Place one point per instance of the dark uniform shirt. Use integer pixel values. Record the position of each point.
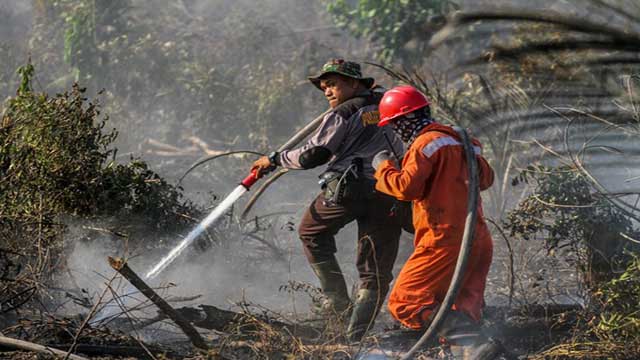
(349, 131)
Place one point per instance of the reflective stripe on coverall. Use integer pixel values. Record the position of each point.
(434, 176)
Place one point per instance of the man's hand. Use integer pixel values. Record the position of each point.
(380, 157)
(263, 166)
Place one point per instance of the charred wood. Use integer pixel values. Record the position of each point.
(194, 336)
(213, 318)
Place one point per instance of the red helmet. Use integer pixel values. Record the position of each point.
(399, 101)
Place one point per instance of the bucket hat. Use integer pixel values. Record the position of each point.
(340, 66)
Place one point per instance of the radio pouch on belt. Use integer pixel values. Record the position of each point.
(341, 186)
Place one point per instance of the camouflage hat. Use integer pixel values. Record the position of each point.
(342, 67)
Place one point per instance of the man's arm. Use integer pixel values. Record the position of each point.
(319, 148)
(317, 151)
(407, 183)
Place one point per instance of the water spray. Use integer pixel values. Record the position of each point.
(214, 215)
(244, 186)
(240, 190)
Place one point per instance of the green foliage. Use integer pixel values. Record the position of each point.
(56, 150)
(176, 74)
(26, 74)
(55, 164)
(393, 23)
(132, 190)
(80, 37)
(50, 149)
(619, 314)
(563, 211)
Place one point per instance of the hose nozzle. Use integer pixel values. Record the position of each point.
(251, 179)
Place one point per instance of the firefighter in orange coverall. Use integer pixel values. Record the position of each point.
(434, 177)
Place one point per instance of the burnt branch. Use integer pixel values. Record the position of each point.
(194, 336)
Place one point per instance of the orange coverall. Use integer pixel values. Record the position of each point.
(434, 176)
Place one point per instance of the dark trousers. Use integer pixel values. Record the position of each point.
(378, 234)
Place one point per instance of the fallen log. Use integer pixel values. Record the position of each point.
(194, 336)
(119, 350)
(211, 318)
(298, 330)
(29, 346)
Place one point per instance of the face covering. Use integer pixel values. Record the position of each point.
(408, 128)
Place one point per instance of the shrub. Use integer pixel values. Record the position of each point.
(56, 163)
(565, 213)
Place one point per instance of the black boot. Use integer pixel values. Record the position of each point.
(365, 309)
(333, 287)
(465, 340)
(457, 326)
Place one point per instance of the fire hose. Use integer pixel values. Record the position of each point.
(467, 238)
(252, 178)
(465, 247)
(228, 201)
(293, 141)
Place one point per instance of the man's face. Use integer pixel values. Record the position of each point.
(338, 88)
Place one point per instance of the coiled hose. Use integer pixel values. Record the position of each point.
(465, 246)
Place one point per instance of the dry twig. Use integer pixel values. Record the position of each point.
(89, 316)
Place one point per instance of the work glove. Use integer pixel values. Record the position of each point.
(263, 166)
(381, 157)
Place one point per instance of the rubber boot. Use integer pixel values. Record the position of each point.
(458, 325)
(479, 349)
(333, 287)
(485, 349)
(365, 309)
(464, 339)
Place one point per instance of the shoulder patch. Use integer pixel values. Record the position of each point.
(370, 117)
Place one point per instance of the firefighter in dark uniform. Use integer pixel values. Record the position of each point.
(346, 142)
